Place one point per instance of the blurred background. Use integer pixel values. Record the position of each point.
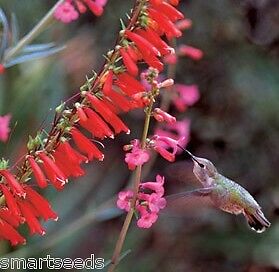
(235, 124)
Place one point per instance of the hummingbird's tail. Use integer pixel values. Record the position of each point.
(257, 220)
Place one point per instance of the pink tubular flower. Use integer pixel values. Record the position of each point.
(191, 52)
(157, 186)
(156, 203)
(66, 13)
(187, 96)
(137, 156)
(124, 200)
(148, 204)
(184, 24)
(162, 143)
(4, 127)
(178, 130)
(161, 116)
(146, 219)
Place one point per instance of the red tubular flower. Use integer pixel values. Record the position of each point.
(10, 201)
(81, 115)
(166, 25)
(64, 152)
(72, 155)
(156, 40)
(95, 8)
(108, 103)
(152, 61)
(28, 212)
(56, 176)
(85, 145)
(120, 100)
(129, 63)
(172, 13)
(108, 82)
(134, 53)
(13, 183)
(107, 114)
(97, 124)
(130, 83)
(156, 2)
(9, 233)
(10, 218)
(148, 50)
(38, 173)
(40, 204)
(174, 2)
(142, 44)
(94, 123)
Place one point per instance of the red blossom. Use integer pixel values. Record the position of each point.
(40, 204)
(10, 201)
(172, 13)
(54, 173)
(131, 85)
(121, 101)
(108, 82)
(10, 218)
(9, 233)
(129, 63)
(168, 27)
(109, 116)
(13, 183)
(85, 145)
(151, 36)
(94, 123)
(64, 152)
(142, 44)
(38, 173)
(33, 223)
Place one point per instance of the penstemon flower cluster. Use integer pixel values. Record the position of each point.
(129, 79)
(69, 10)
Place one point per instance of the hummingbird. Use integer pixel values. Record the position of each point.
(225, 194)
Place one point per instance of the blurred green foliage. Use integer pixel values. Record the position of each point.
(235, 124)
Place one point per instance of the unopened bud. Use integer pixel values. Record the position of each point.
(166, 83)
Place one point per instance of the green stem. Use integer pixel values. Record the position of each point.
(129, 216)
(45, 21)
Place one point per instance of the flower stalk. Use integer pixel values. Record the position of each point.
(137, 180)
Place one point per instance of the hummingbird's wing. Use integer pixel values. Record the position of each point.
(197, 192)
(189, 203)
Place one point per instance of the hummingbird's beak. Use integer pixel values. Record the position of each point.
(189, 153)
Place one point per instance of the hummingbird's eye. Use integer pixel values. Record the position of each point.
(201, 165)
